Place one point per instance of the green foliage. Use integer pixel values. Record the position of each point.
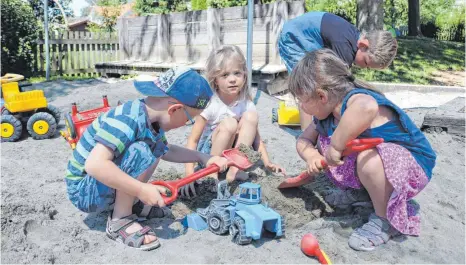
(343, 8)
(19, 32)
(449, 22)
(418, 61)
(199, 4)
(111, 10)
(55, 16)
(147, 7)
(396, 13)
(226, 3)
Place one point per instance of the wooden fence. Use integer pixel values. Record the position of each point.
(76, 52)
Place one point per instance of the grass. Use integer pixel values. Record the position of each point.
(38, 79)
(417, 60)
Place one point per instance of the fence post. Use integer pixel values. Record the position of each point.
(122, 25)
(163, 37)
(279, 16)
(213, 27)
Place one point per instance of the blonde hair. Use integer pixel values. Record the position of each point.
(323, 69)
(216, 63)
(382, 47)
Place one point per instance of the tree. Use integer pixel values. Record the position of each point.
(414, 18)
(147, 7)
(109, 11)
(369, 15)
(343, 8)
(19, 32)
(56, 19)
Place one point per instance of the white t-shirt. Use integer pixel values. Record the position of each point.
(216, 111)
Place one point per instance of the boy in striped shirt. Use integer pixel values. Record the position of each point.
(120, 150)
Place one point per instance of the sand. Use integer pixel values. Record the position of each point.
(40, 225)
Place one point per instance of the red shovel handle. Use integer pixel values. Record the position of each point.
(357, 145)
(173, 186)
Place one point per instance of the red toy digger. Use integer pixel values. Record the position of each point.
(76, 122)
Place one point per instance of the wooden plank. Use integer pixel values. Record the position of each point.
(71, 52)
(189, 16)
(88, 50)
(240, 12)
(449, 117)
(77, 51)
(78, 71)
(78, 41)
(60, 55)
(65, 51)
(102, 48)
(82, 35)
(53, 54)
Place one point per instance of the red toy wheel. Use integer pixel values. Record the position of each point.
(70, 126)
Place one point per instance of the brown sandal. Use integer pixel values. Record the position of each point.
(116, 231)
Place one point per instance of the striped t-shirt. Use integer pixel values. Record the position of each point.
(117, 129)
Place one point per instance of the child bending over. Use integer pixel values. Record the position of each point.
(344, 109)
(120, 150)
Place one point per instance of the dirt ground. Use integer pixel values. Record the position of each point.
(40, 225)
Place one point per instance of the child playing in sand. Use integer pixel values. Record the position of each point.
(344, 109)
(120, 150)
(231, 118)
(317, 30)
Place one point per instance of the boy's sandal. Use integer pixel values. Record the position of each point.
(148, 212)
(116, 231)
(375, 232)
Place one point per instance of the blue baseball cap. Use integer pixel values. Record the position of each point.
(181, 83)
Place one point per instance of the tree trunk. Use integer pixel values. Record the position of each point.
(369, 15)
(414, 18)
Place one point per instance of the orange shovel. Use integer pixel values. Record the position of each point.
(356, 145)
(234, 157)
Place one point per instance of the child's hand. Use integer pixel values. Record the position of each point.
(221, 162)
(314, 165)
(333, 157)
(150, 194)
(275, 168)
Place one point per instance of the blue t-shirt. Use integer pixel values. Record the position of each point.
(401, 131)
(317, 30)
(117, 129)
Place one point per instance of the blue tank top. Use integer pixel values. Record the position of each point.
(401, 131)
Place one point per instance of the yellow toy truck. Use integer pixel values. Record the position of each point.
(28, 108)
(286, 115)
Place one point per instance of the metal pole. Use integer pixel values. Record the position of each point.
(46, 35)
(249, 43)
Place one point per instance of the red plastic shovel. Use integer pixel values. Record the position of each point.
(356, 145)
(234, 157)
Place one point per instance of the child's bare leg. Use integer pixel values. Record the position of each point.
(378, 229)
(124, 204)
(223, 137)
(247, 131)
(372, 176)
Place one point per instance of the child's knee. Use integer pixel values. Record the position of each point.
(136, 159)
(228, 125)
(368, 162)
(250, 117)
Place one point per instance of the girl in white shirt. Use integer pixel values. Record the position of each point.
(231, 117)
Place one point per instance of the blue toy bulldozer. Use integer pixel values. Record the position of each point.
(243, 215)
